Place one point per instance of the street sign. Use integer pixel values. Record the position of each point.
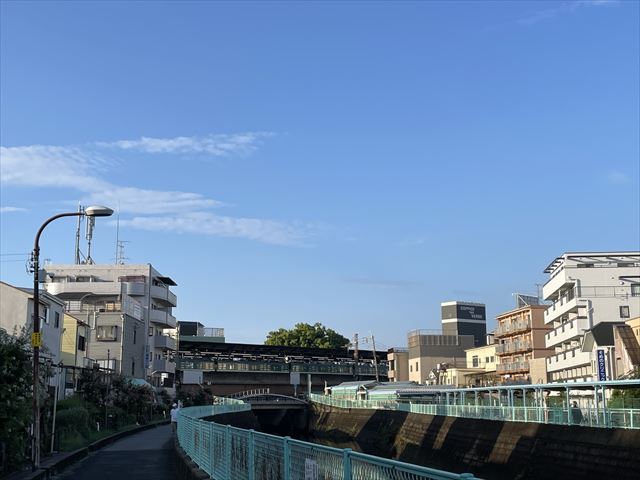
(602, 371)
(36, 339)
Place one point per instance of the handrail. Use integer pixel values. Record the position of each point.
(628, 418)
(223, 451)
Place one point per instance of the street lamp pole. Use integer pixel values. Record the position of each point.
(36, 341)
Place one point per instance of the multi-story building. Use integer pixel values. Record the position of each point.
(398, 361)
(465, 318)
(430, 349)
(520, 336)
(480, 369)
(75, 338)
(133, 305)
(586, 288)
(16, 317)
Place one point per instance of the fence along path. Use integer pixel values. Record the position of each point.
(225, 452)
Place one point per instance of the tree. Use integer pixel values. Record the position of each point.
(307, 336)
(15, 398)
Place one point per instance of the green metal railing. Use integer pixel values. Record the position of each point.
(606, 418)
(225, 452)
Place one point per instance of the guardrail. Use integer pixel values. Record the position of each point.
(609, 418)
(225, 452)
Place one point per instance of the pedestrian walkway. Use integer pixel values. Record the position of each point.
(144, 456)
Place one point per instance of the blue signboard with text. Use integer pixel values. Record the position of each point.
(602, 371)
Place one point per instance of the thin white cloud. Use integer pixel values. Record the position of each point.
(412, 242)
(563, 8)
(216, 145)
(141, 201)
(82, 168)
(206, 223)
(12, 209)
(51, 166)
(618, 178)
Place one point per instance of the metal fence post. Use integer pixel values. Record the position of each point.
(346, 464)
(227, 449)
(287, 458)
(251, 456)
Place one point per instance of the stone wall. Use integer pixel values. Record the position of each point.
(488, 449)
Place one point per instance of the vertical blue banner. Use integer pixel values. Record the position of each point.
(602, 372)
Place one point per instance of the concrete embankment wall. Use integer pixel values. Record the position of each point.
(489, 449)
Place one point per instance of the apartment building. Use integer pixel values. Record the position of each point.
(465, 318)
(521, 337)
(16, 316)
(585, 289)
(128, 305)
(398, 360)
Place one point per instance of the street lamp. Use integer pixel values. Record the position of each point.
(94, 211)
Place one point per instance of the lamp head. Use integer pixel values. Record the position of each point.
(98, 211)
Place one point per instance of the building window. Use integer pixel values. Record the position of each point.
(475, 361)
(635, 289)
(151, 331)
(135, 335)
(493, 359)
(417, 369)
(81, 343)
(624, 311)
(133, 368)
(410, 368)
(56, 322)
(107, 333)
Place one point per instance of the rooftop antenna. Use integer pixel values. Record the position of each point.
(120, 258)
(77, 250)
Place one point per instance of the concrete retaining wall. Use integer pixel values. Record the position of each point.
(489, 449)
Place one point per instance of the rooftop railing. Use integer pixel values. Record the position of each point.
(223, 451)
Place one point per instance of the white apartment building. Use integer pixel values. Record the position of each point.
(585, 289)
(137, 292)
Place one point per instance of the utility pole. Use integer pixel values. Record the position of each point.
(356, 355)
(375, 358)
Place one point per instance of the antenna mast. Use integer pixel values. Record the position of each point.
(77, 252)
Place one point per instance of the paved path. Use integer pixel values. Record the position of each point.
(143, 456)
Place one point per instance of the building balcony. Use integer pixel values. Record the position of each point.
(164, 342)
(163, 295)
(563, 305)
(566, 332)
(510, 328)
(162, 318)
(67, 290)
(555, 283)
(514, 347)
(163, 366)
(568, 359)
(512, 367)
(135, 289)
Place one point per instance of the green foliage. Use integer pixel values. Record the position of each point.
(307, 336)
(190, 399)
(15, 397)
(74, 419)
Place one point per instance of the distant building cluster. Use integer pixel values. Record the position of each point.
(119, 318)
(586, 327)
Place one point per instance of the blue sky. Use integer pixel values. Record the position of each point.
(353, 164)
